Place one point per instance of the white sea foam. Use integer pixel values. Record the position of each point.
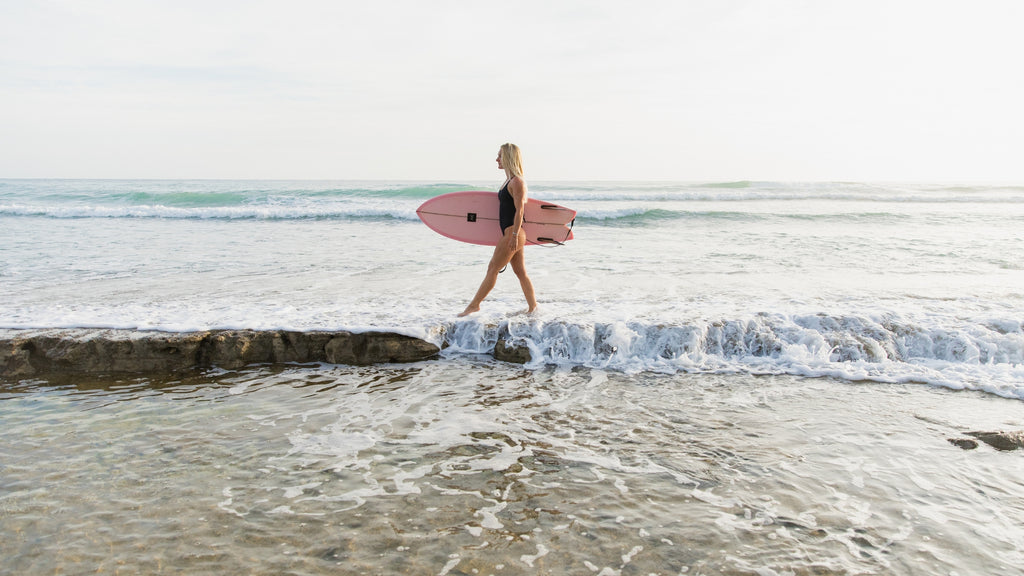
(887, 349)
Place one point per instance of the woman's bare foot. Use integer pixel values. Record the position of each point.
(469, 310)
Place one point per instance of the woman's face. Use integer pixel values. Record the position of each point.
(498, 160)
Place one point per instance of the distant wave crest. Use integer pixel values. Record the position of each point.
(598, 203)
(238, 212)
(384, 210)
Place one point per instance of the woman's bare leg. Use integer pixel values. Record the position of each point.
(518, 263)
(502, 255)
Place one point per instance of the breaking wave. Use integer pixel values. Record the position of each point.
(986, 357)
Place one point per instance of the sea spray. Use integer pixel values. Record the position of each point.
(883, 349)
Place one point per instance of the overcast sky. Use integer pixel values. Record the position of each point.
(428, 89)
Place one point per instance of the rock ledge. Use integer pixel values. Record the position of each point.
(1002, 440)
(25, 353)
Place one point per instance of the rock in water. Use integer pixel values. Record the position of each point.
(1001, 440)
(377, 347)
(965, 443)
(31, 352)
(507, 352)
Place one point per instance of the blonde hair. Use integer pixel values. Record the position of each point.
(512, 159)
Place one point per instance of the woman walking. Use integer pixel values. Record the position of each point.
(509, 250)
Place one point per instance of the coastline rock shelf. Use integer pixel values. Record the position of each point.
(39, 353)
(26, 353)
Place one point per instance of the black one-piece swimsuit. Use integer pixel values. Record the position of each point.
(507, 209)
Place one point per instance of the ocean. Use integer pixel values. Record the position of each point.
(725, 378)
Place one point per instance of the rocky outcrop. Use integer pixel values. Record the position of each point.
(1005, 441)
(964, 443)
(26, 353)
(1001, 440)
(508, 351)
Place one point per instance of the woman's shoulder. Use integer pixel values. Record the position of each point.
(517, 183)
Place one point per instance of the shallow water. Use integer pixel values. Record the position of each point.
(466, 466)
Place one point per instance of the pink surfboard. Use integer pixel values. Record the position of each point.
(472, 217)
